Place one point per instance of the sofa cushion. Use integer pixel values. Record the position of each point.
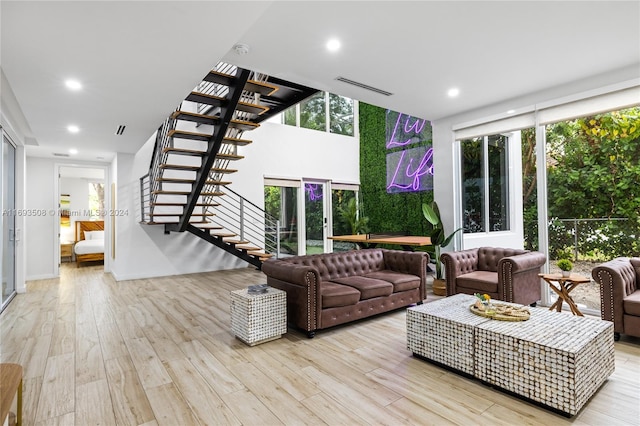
(334, 295)
(368, 287)
(483, 281)
(488, 257)
(631, 304)
(400, 281)
(635, 262)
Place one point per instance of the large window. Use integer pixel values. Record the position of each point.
(324, 112)
(281, 202)
(485, 189)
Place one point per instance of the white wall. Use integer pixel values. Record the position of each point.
(39, 236)
(280, 151)
(277, 151)
(144, 251)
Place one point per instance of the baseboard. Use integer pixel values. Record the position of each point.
(41, 277)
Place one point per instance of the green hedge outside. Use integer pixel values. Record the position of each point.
(387, 212)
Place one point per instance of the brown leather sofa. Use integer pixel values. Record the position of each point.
(325, 290)
(619, 281)
(504, 274)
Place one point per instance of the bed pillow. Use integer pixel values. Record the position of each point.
(94, 235)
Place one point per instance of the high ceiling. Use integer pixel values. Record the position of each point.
(138, 59)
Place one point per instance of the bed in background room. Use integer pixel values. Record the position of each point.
(89, 238)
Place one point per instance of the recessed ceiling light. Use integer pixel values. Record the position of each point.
(73, 129)
(453, 92)
(73, 84)
(73, 151)
(241, 49)
(333, 45)
(511, 111)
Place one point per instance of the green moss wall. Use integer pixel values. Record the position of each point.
(386, 212)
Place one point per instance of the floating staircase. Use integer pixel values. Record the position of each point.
(186, 187)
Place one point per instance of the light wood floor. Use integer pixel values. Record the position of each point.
(160, 352)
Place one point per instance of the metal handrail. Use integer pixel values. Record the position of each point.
(234, 212)
(245, 219)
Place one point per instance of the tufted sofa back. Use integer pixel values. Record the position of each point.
(342, 264)
(488, 257)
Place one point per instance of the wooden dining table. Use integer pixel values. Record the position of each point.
(407, 242)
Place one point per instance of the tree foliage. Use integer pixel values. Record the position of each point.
(594, 166)
(593, 172)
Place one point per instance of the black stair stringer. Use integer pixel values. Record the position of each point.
(219, 242)
(226, 114)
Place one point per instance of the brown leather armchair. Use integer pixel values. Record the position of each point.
(504, 274)
(619, 281)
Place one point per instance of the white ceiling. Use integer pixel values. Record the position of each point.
(139, 59)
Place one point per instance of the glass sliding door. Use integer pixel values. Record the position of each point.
(316, 217)
(8, 222)
(281, 202)
(344, 202)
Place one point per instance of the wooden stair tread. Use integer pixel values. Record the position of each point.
(236, 141)
(195, 168)
(232, 157)
(191, 181)
(173, 223)
(251, 108)
(261, 87)
(208, 194)
(213, 100)
(180, 214)
(206, 225)
(212, 120)
(203, 98)
(219, 170)
(262, 256)
(183, 204)
(182, 151)
(251, 85)
(237, 242)
(223, 234)
(248, 247)
(194, 136)
(180, 167)
(205, 137)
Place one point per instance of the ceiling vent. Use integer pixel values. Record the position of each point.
(120, 130)
(59, 154)
(364, 86)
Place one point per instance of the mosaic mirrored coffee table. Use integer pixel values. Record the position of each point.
(555, 359)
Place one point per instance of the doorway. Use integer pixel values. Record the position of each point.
(8, 167)
(81, 197)
(316, 217)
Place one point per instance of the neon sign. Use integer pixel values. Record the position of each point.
(408, 170)
(312, 191)
(407, 130)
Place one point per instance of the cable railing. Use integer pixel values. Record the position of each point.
(221, 90)
(230, 210)
(150, 183)
(249, 222)
(145, 198)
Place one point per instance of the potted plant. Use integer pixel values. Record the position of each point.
(439, 239)
(565, 266)
(353, 218)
